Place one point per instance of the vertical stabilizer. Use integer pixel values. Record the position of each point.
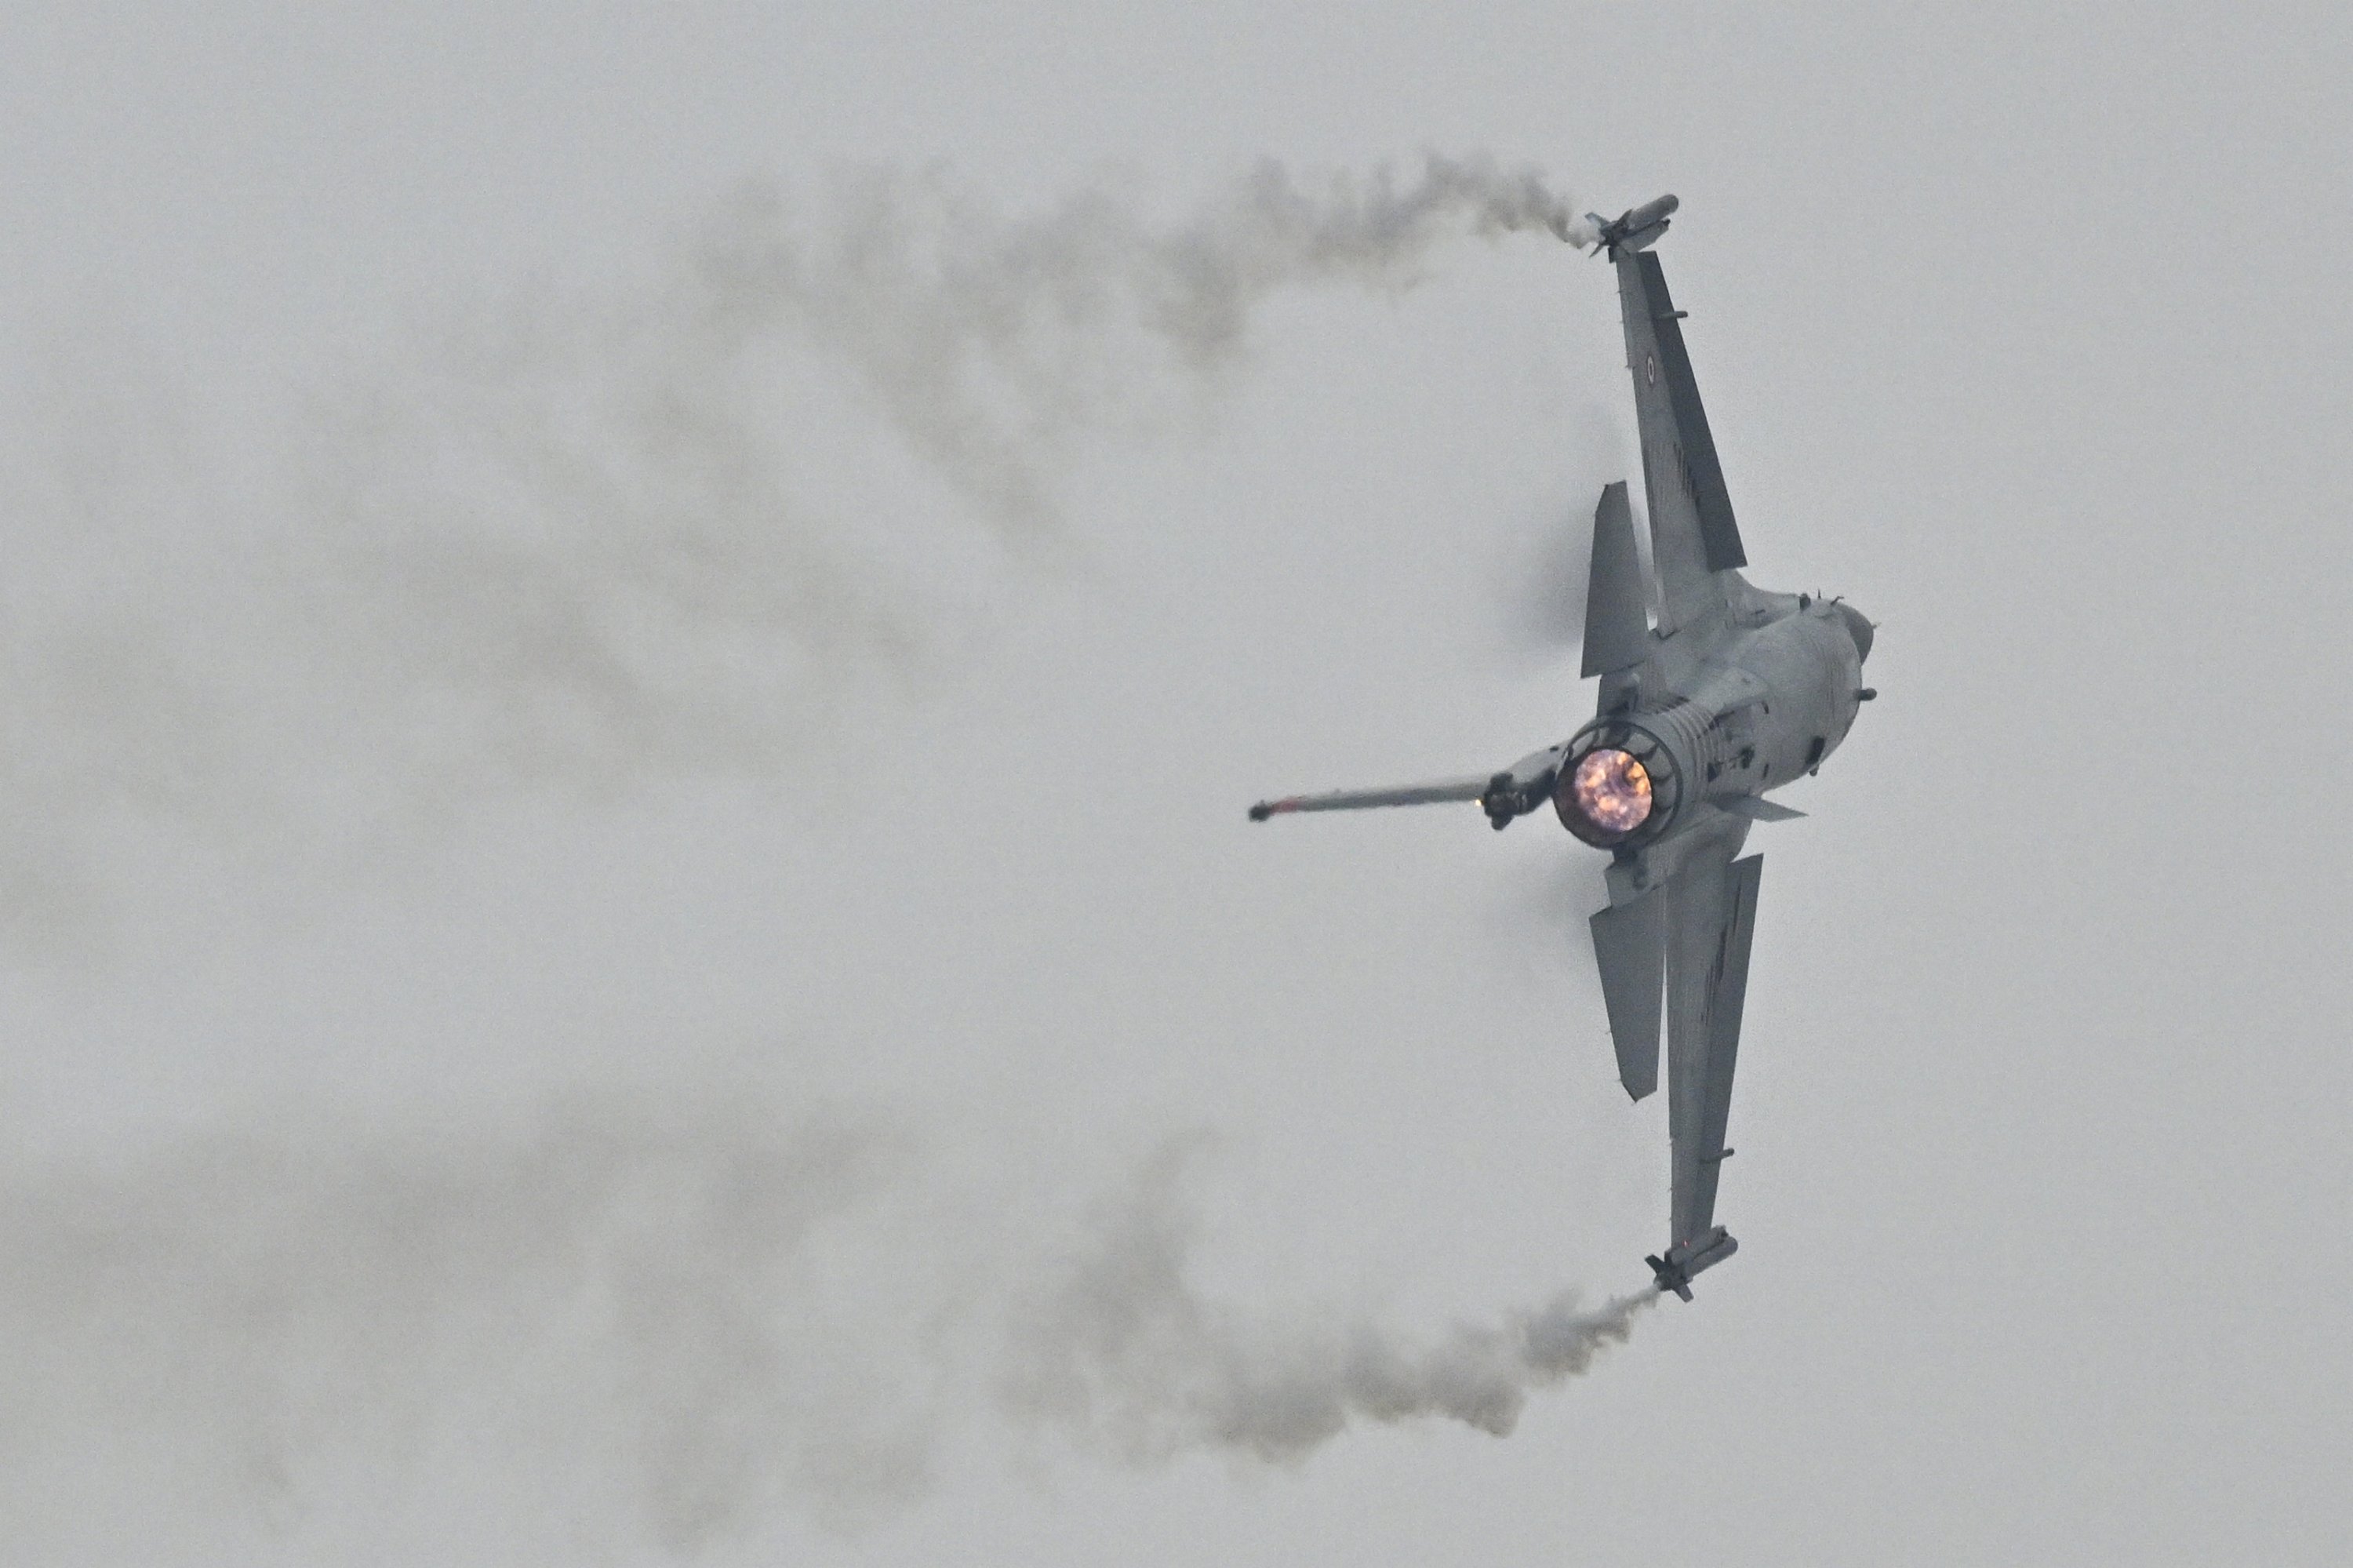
(1630, 945)
(1617, 634)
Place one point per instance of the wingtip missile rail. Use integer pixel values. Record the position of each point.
(1634, 230)
(1687, 1259)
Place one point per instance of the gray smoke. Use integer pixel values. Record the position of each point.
(615, 1290)
(598, 541)
(1120, 1351)
(598, 538)
(991, 343)
(645, 1319)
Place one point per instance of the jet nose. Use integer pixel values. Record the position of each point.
(1857, 627)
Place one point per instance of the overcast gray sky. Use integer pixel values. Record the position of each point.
(626, 926)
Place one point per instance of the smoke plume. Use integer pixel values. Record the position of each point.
(683, 1320)
(616, 1289)
(596, 538)
(1120, 1351)
(593, 542)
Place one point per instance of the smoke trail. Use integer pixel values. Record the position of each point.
(1122, 1351)
(659, 1320)
(598, 539)
(595, 542)
(991, 343)
(616, 1289)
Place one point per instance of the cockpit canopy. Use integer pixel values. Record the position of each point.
(1856, 627)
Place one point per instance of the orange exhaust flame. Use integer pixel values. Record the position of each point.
(1612, 790)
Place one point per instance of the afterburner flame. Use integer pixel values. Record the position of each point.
(1612, 790)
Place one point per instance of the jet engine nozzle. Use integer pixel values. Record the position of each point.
(1620, 784)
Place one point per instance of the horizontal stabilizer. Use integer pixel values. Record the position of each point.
(1630, 946)
(1758, 808)
(1616, 631)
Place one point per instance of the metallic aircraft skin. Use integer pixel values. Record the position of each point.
(1713, 693)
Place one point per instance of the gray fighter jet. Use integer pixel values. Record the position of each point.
(1713, 693)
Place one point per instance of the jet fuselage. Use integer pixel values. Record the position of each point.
(1712, 692)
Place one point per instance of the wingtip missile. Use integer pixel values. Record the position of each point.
(1633, 230)
(1685, 1259)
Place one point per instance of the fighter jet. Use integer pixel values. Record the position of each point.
(1712, 695)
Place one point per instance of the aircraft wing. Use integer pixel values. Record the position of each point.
(1713, 917)
(1692, 534)
(1689, 938)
